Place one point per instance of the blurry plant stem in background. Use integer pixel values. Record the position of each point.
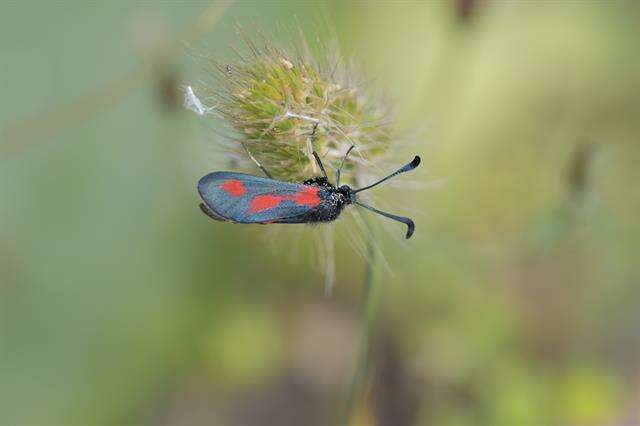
(25, 133)
(361, 374)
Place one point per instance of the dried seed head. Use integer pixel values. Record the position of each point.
(282, 104)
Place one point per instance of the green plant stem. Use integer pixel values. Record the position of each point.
(362, 369)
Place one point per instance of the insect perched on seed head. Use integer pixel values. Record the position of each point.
(243, 198)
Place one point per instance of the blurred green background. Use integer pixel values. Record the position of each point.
(516, 303)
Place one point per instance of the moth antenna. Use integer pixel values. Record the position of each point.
(410, 225)
(406, 168)
(342, 164)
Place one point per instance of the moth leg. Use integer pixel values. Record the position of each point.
(310, 143)
(260, 166)
(339, 171)
(324, 172)
(213, 215)
(315, 127)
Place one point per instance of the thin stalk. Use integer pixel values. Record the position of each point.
(361, 375)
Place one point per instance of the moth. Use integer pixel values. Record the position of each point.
(245, 198)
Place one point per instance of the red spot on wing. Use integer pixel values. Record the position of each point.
(264, 202)
(233, 187)
(307, 197)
